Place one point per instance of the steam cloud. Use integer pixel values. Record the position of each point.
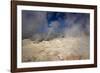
(38, 26)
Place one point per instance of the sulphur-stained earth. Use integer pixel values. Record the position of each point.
(69, 48)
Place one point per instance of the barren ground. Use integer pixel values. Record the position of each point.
(69, 48)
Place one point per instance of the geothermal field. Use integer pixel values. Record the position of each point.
(55, 36)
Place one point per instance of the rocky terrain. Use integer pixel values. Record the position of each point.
(69, 48)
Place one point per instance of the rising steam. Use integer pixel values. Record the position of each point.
(64, 38)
